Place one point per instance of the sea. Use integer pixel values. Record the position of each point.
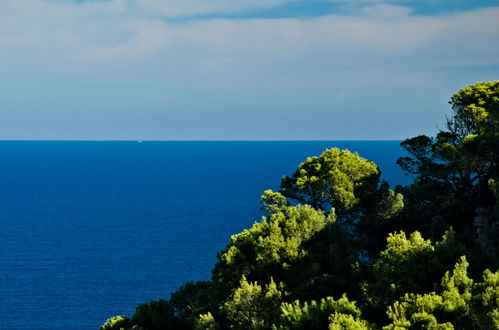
(90, 229)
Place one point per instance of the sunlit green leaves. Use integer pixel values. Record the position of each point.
(335, 179)
(455, 307)
(271, 245)
(319, 314)
(253, 307)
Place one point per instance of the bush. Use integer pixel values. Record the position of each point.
(117, 323)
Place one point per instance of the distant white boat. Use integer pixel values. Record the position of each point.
(140, 141)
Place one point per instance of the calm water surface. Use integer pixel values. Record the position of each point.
(90, 229)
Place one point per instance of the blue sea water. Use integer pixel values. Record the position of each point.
(90, 229)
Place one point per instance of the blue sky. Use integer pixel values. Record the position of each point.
(239, 70)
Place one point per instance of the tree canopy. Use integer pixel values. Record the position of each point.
(338, 249)
(336, 179)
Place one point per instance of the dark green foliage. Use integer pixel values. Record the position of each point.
(155, 315)
(454, 170)
(380, 216)
(193, 299)
(329, 268)
(347, 236)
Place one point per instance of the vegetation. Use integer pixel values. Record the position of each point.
(338, 249)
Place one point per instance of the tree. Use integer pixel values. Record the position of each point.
(206, 322)
(409, 264)
(453, 171)
(320, 314)
(340, 321)
(334, 242)
(193, 299)
(270, 247)
(461, 303)
(155, 315)
(485, 301)
(253, 307)
(348, 184)
(334, 180)
(117, 323)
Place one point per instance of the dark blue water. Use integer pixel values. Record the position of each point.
(90, 229)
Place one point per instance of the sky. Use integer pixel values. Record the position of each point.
(239, 69)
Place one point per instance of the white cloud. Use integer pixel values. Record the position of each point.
(279, 64)
(101, 30)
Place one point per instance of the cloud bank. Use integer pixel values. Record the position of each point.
(154, 69)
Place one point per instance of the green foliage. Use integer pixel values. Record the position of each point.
(206, 322)
(388, 204)
(461, 303)
(340, 321)
(271, 246)
(329, 268)
(410, 264)
(454, 170)
(273, 201)
(316, 315)
(438, 311)
(253, 307)
(193, 299)
(117, 323)
(155, 315)
(475, 109)
(380, 211)
(348, 236)
(406, 265)
(494, 187)
(336, 179)
(348, 184)
(485, 301)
